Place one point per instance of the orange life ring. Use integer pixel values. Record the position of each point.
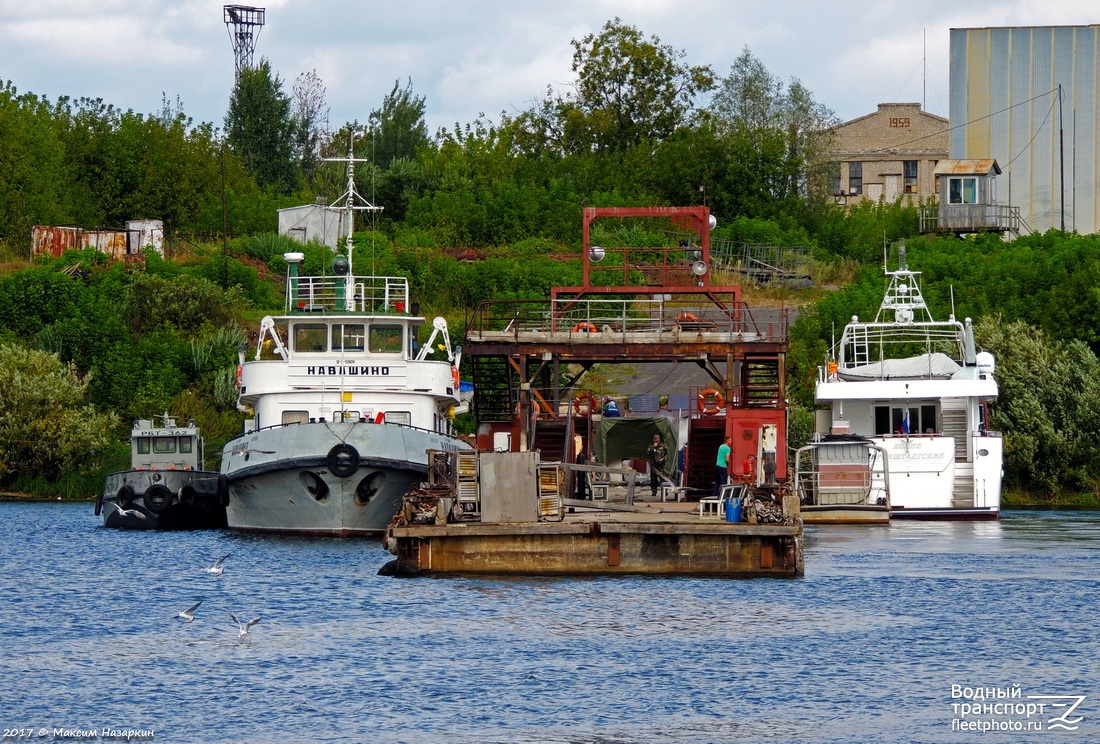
(454, 378)
(584, 328)
(239, 372)
(584, 404)
(711, 401)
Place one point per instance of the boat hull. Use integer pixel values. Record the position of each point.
(952, 514)
(328, 479)
(163, 500)
(846, 514)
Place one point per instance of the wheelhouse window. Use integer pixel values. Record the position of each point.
(348, 336)
(962, 191)
(855, 178)
(295, 417)
(398, 417)
(909, 171)
(143, 446)
(185, 445)
(913, 419)
(310, 337)
(164, 445)
(386, 339)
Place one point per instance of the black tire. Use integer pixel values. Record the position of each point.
(343, 460)
(125, 497)
(223, 491)
(158, 498)
(187, 496)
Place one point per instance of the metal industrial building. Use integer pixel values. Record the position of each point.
(1005, 104)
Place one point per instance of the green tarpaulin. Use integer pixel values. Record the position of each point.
(628, 439)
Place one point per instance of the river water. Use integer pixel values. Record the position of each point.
(889, 633)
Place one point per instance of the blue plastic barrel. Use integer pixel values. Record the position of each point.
(733, 510)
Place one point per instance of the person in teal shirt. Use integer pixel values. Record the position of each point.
(722, 466)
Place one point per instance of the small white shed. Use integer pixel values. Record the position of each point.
(313, 222)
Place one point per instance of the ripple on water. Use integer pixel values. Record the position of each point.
(865, 647)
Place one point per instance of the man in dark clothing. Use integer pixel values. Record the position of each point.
(657, 455)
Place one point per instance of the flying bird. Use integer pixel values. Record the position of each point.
(189, 614)
(242, 628)
(219, 566)
(127, 512)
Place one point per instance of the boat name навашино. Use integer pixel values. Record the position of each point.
(359, 371)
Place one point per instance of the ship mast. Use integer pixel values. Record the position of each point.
(351, 201)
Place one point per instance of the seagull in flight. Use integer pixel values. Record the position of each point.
(127, 512)
(189, 614)
(242, 628)
(218, 567)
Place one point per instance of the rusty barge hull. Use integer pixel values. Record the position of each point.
(605, 547)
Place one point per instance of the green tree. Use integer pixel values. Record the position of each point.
(310, 116)
(260, 129)
(46, 425)
(629, 90)
(1048, 407)
(398, 126)
(777, 138)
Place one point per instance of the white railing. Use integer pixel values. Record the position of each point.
(352, 294)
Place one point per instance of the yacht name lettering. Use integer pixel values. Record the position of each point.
(364, 371)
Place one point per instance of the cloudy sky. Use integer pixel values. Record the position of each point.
(485, 56)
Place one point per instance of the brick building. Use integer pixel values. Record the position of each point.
(889, 154)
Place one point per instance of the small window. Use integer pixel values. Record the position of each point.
(386, 339)
(909, 169)
(963, 191)
(143, 446)
(901, 420)
(295, 417)
(348, 336)
(855, 178)
(164, 446)
(310, 337)
(834, 178)
(349, 417)
(185, 445)
(398, 417)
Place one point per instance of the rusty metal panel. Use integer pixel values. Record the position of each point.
(111, 242)
(53, 241)
(981, 167)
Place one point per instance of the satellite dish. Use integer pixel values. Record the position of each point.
(596, 253)
(340, 266)
(699, 268)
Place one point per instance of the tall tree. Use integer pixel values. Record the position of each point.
(260, 129)
(398, 125)
(628, 90)
(310, 115)
(780, 131)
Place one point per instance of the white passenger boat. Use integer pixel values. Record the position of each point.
(907, 401)
(343, 406)
(166, 487)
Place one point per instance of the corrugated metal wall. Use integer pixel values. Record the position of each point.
(1004, 105)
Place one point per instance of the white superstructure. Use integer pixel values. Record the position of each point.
(343, 405)
(917, 389)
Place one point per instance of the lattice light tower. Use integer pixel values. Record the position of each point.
(244, 25)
